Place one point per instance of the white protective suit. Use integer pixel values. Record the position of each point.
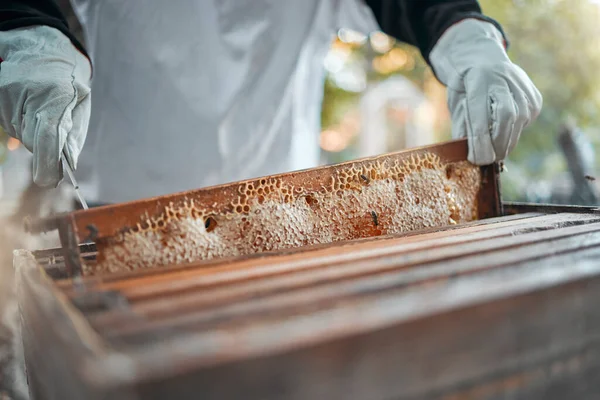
(226, 90)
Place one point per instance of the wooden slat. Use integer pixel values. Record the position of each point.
(358, 355)
(234, 272)
(334, 282)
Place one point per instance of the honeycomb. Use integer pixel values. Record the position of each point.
(370, 198)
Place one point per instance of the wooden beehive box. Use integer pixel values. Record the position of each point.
(498, 308)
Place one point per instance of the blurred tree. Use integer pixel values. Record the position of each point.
(338, 100)
(377, 57)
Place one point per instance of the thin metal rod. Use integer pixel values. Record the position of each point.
(69, 170)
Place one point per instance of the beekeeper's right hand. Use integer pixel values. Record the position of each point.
(44, 97)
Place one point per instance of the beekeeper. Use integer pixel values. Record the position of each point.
(190, 93)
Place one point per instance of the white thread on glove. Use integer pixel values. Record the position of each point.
(45, 92)
(491, 100)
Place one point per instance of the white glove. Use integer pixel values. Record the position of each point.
(491, 100)
(45, 92)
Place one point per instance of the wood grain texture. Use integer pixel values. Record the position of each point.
(504, 308)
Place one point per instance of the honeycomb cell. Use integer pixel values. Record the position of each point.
(361, 200)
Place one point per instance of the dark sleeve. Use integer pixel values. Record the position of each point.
(422, 22)
(22, 13)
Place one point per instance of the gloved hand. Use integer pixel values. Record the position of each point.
(45, 92)
(491, 100)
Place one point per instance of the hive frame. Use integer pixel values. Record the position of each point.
(103, 224)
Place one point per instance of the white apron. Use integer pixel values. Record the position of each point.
(192, 93)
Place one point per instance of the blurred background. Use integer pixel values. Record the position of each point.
(380, 96)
